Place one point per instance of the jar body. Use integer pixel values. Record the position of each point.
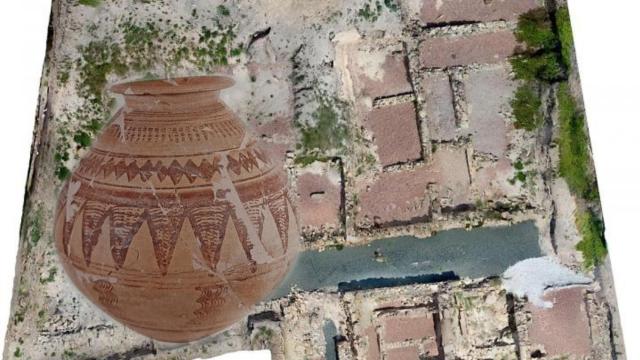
(176, 222)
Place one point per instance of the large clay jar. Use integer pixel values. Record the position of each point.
(176, 222)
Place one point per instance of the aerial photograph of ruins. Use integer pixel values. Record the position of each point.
(355, 179)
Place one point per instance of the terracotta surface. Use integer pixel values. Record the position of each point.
(320, 199)
(277, 138)
(176, 222)
(395, 133)
(405, 196)
(437, 11)
(409, 334)
(564, 328)
(403, 353)
(399, 329)
(481, 48)
(380, 72)
(373, 345)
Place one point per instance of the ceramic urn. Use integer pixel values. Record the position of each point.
(176, 222)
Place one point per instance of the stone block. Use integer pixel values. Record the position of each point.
(440, 114)
(474, 48)
(438, 11)
(379, 70)
(403, 328)
(395, 133)
(488, 96)
(564, 328)
(451, 178)
(403, 353)
(320, 196)
(404, 196)
(373, 348)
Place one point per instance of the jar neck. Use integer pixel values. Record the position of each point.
(196, 102)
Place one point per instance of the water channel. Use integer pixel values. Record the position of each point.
(447, 255)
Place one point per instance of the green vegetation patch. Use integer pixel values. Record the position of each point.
(593, 245)
(145, 45)
(90, 119)
(573, 146)
(545, 66)
(542, 62)
(223, 10)
(536, 31)
(36, 226)
(574, 167)
(64, 69)
(370, 11)
(140, 44)
(526, 106)
(326, 136)
(520, 174)
(213, 47)
(99, 58)
(51, 276)
(392, 5)
(93, 3)
(61, 155)
(327, 133)
(565, 34)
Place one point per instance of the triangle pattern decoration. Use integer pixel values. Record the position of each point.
(279, 210)
(164, 226)
(96, 164)
(94, 215)
(209, 225)
(125, 223)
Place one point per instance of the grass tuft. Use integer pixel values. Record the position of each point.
(535, 30)
(539, 65)
(223, 10)
(545, 66)
(100, 58)
(83, 139)
(327, 133)
(140, 44)
(593, 244)
(324, 137)
(526, 107)
(573, 145)
(93, 3)
(370, 11)
(574, 167)
(37, 226)
(565, 35)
